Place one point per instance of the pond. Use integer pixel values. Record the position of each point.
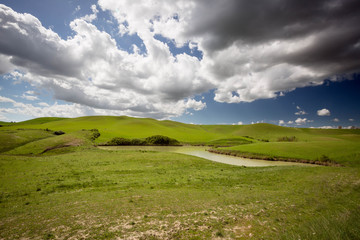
(201, 152)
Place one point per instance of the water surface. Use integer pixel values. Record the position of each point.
(201, 152)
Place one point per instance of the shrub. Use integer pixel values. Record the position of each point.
(287, 139)
(153, 140)
(138, 142)
(161, 140)
(59, 132)
(95, 134)
(117, 141)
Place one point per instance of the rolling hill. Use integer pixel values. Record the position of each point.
(129, 127)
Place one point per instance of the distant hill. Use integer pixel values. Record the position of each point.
(129, 127)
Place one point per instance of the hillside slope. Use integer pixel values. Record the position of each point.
(128, 127)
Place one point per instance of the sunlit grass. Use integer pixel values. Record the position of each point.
(103, 194)
(59, 187)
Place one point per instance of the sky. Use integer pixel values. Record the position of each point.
(292, 63)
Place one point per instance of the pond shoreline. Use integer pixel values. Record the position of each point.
(256, 156)
(204, 152)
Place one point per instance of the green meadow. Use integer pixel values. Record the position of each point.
(64, 187)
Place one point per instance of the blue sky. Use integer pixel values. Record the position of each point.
(202, 62)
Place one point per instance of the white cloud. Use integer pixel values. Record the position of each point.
(240, 68)
(281, 122)
(300, 121)
(43, 104)
(29, 97)
(351, 119)
(300, 112)
(290, 122)
(90, 70)
(5, 99)
(350, 127)
(240, 123)
(336, 120)
(30, 92)
(327, 127)
(77, 8)
(242, 62)
(323, 112)
(90, 17)
(3, 118)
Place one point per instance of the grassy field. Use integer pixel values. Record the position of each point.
(343, 149)
(62, 187)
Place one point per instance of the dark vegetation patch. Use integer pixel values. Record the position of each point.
(258, 139)
(149, 141)
(59, 132)
(94, 133)
(287, 139)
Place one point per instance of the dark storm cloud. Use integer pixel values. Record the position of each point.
(258, 21)
(336, 50)
(260, 48)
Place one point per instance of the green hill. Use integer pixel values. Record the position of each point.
(38, 121)
(128, 127)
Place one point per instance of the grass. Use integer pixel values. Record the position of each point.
(50, 188)
(340, 151)
(11, 138)
(103, 194)
(53, 144)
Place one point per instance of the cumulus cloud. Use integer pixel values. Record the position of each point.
(42, 109)
(245, 55)
(300, 121)
(351, 119)
(323, 112)
(336, 120)
(281, 122)
(89, 69)
(256, 49)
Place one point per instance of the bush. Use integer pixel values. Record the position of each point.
(117, 141)
(287, 139)
(153, 140)
(59, 132)
(161, 140)
(95, 134)
(138, 142)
